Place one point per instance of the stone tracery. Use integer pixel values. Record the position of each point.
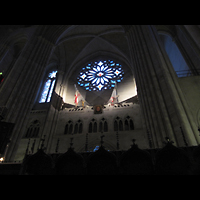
(97, 76)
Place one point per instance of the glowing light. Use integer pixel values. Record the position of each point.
(96, 148)
(48, 87)
(100, 86)
(83, 76)
(117, 72)
(100, 63)
(52, 74)
(100, 75)
(1, 159)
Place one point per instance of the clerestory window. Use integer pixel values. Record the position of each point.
(48, 87)
(175, 56)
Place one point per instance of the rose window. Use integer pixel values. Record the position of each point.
(102, 75)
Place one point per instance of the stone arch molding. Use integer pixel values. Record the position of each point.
(11, 51)
(70, 61)
(55, 33)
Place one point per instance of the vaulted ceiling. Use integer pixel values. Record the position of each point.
(82, 41)
(76, 45)
(81, 44)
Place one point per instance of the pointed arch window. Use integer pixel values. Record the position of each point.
(92, 126)
(78, 127)
(48, 87)
(118, 124)
(103, 125)
(128, 124)
(175, 56)
(69, 128)
(33, 129)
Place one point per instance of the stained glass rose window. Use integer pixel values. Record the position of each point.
(100, 75)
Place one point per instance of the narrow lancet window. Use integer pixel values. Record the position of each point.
(48, 88)
(175, 56)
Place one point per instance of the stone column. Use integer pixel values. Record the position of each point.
(52, 119)
(160, 101)
(29, 69)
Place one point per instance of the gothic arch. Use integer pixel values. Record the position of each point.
(69, 127)
(10, 54)
(92, 42)
(33, 129)
(174, 54)
(78, 127)
(44, 80)
(97, 55)
(93, 126)
(118, 124)
(128, 123)
(56, 32)
(167, 29)
(103, 125)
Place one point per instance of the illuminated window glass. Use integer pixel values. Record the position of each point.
(96, 148)
(101, 75)
(48, 87)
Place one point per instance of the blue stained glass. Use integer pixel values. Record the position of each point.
(102, 75)
(45, 91)
(51, 90)
(48, 87)
(100, 63)
(83, 76)
(96, 148)
(52, 74)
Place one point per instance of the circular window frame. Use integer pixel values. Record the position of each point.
(100, 75)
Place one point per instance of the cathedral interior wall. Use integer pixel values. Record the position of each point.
(192, 96)
(109, 113)
(86, 115)
(165, 101)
